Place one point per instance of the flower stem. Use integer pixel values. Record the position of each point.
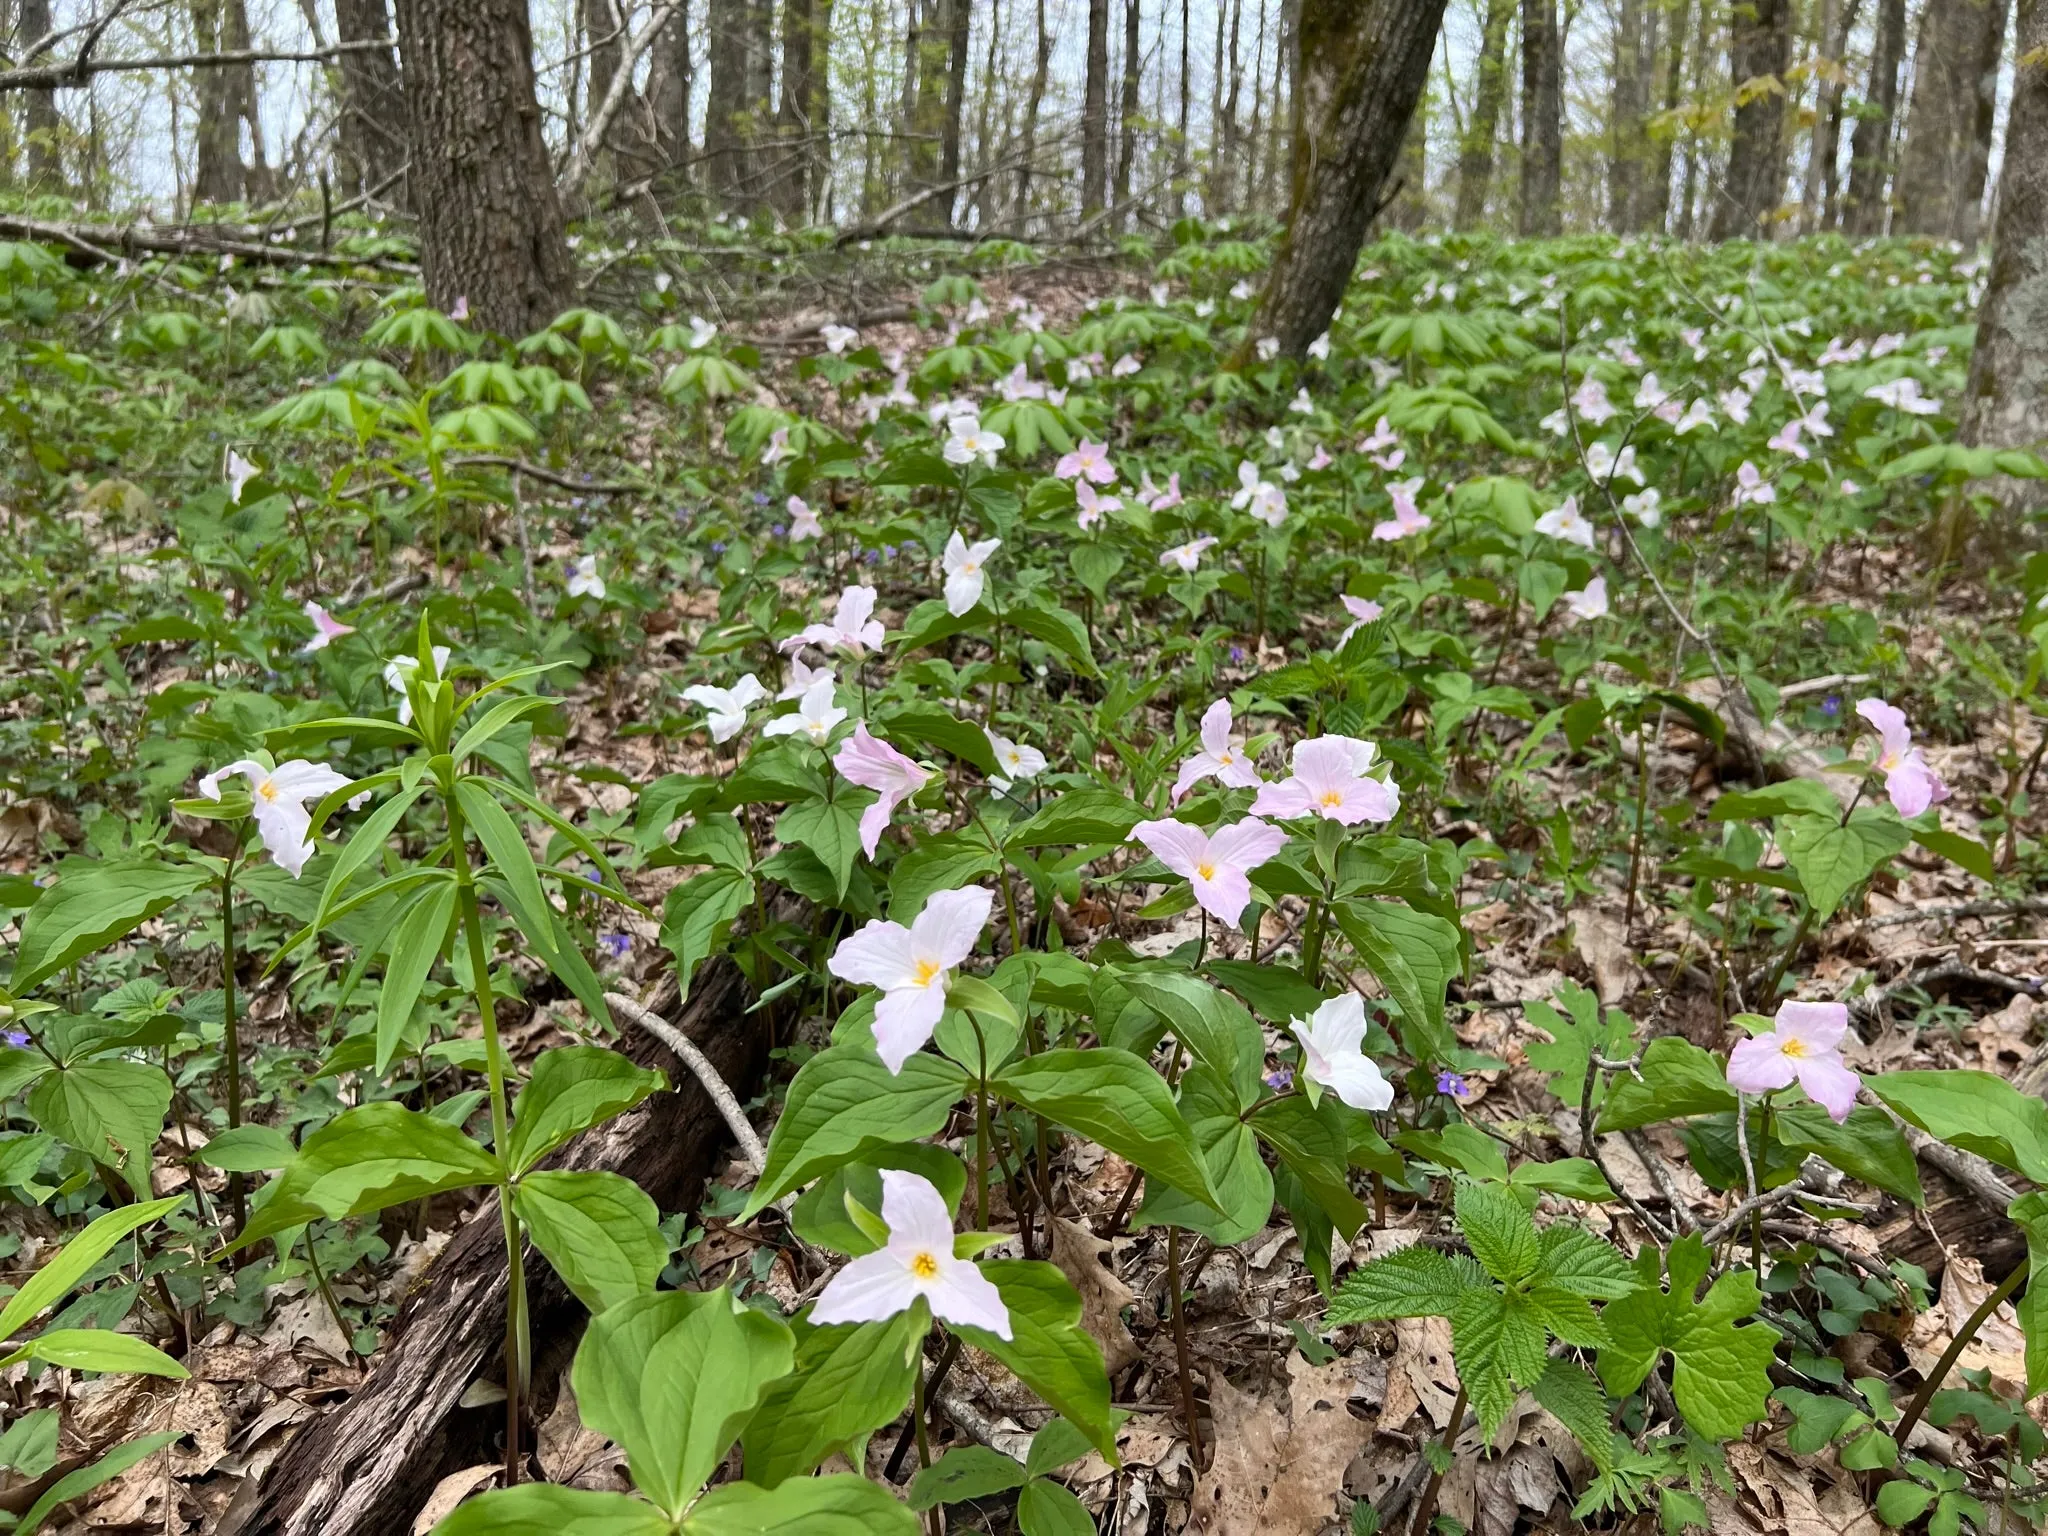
(231, 1039)
(1425, 1509)
(1956, 1346)
(1180, 1348)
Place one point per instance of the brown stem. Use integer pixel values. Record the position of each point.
(1180, 1348)
(1425, 1510)
(1123, 1207)
(1955, 1348)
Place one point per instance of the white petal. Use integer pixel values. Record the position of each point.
(950, 925)
(904, 1020)
(879, 955)
(963, 1294)
(916, 1213)
(871, 1288)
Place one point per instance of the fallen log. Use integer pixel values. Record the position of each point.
(89, 245)
(367, 1466)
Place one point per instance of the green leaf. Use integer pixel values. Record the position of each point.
(248, 1149)
(98, 1349)
(1978, 1111)
(1576, 1177)
(1832, 859)
(51, 1283)
(110, 1109)
(600, 1230)
(1046, 1509)
(910, 726)
(1871, 1451)
(1095, 566)
(1789, 797)
(1079, 820)
(1578, 1034)
(698, 915)
(966, 1472)
(1414, 955)
(1967, 852)
(1577, 1402)
(1278, 992)
(829, 830)
(1212, 1024)
(1312, 1143)
(1057, 628)
(1678, 1079)
(1060, 1442)
(547, 1509)
(1410, 1282)
(1500, 1347)
(422, 932)
(946, 863)
(571, 1089)
(1048, 1349)
(85, 1479)
(1720, 1373)
(1817, 1417)
(29, 1444)
(841, 1505)
(367, 1159)
(1577, 1261)
(1502, 1236)
(1902, 1501)
(92, 904)
(1866, 1146)
(843, 1103)
(1114, 1098)
(849, 1382)
(1231, 1151)
(820, 1214)
(365, 844)
(2030, 1211)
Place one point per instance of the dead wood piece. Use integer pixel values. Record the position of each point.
(96, 244)
(366, 1467)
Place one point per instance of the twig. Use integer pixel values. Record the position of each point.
(554, 476)
(584, 155)
(701, 1068)
(64, 77)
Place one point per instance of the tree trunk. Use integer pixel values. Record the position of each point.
(959, 35)
(1475, 154)
(490, 223)
(42, 124)
(793, 114)
(1095, 111)
(1625, 119)
(371, 133)
(726, 129)
(1542, 121)
(1224, 152)
(1657, 203)
(1934, 167)
(669, 85)
(1827, 129)
(1181, 149)
(1128, 109)
(1760, 49)
(1864, 205)
(2006, 402)
(1991, 49)
(217, 177)
(1022, 205)
(1363, 67)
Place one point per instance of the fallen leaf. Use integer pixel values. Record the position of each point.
(1999, 1347)
(1421, 1374)
(449, 1492)
(1277, 1471)
(1603, 945)
(1084, 1259)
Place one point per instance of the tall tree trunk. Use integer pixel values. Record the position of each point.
(1363, 67)
(1827, 129)
(1625, 119)
(1864, 206)
(1181, 149)
(490, 223)
(1657, 203)
(1990, 51)
(793, 115)
(1934, 166)
(959, 30)
(669, 83)
(2006, 402)
(726, 129)
(1128, 109)
(1475, 154)
(217, 177)
(371, 132)
(1759, 50)
(42, 124)
(1095, 111)
(1255, 188)
(1542, 121)
(1022, 205)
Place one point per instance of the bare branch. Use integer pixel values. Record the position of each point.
(64, 77)
(584, 155)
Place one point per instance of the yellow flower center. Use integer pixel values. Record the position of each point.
(926, 971)
(1226, 759)
(969, 568)
(1888, 761)
(267, 789)
(1206, 870)
(925, 1266)
(1792, 1048)
(1333, 797)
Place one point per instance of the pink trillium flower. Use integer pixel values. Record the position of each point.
(777, 449)
(913, 966)
(1219, 867)
(1222, 756)
(1590, 601)
(916, 1261)
(1363, 610)
(1332, 779)
(1093, 504)
(1904, 395)
(1911, 783)
(459, 312)
(1383, 437)
(853, 628)
(1787, 440)
(326, 628)
(277, 801)
(803, 522)
(1698, 414)
(1734, 405)
(1591, 402)
(1407, 519)
(1807, 1045)
(1189, 555)
(1751, 488)
(1091, 460)
(1331, 1055)
(1320, 459)
(873, 764)
(1566, 522)
(1155, 498)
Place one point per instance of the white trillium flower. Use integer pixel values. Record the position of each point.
(916, 1261)
(1566, 522)
(1590, 601)
(584, 580)
(1646, 507)
(1319, 349)
(277, 799)
(398, 672)
(701, 332)
(801, 679)
(838, 337)
(239, 473)
(1331, 1055)
(913, 967)
(1268, 348)
(963, 564)
(816, 714)
(970, 440)
(1018, 761)
(726, 708)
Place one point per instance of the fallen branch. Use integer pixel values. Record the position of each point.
(102, 243)
(727, 1102)
(64, 77)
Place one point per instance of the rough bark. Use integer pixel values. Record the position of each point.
(793, 112)
(1223, 154)
(1475, 153)
(42, 124)
(490, 223)
(2006, 401)
(217, 173)
(1363, 66)
(959, 35)
(669, 82)
(1541, 212)
(1984, 113)
(1043, 57)
(371, 132)
(1657, 196)
(1181, 148)
(1940, 122)
(1759, 53)
(1095, 111)
(366, 1467)
(726, 129)
(1823, 197)
(1625, 120)
(1128, 109)
(1864, 204)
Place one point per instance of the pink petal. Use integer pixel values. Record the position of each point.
(1246, 845)
(1821, 1026)
(1830, 1084)
(1216, 728)
(1757, 1065)
(1285, 800)
(880, 955)
(1177, 845)
(1225, 895)
(874, 821)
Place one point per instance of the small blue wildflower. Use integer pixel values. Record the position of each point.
(760, 498)
(1236, 655)
(1280, 1079)
(871, 556)
(617, 945)
(778, 529)
(718, 546)
(17, 1038)
(1831, 706)
(888, 551)
(1453, 1084)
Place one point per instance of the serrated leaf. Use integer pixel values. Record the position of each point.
(1415, 1281)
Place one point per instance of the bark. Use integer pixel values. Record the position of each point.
(728, 129)
(1363, 68)
(1759, 54)
(1864, 205)
(217, 177)
(1475, 154)
(1625, 119)
(42, 124)
(1022, 205)
(1542, 121)
(1095, 111)
(1657, 198)
(1128, 108)
(2006, 402)
(959, 34)
(669, 83)
(793, 113)
(371, 132)
(1827, 128)
(490, 222)
(1181, 148)
(1227, 126)
(1991, 49)
(1940, 123)
(365, 1467)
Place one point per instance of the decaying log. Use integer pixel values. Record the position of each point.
(367, 1466)
(89, 245)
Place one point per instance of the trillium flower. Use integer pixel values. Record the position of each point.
(1650, 394)
(1816, 420)
(1241, 290)
(838, 337)
(1669, 410)
(1591, 402)
(1887, 344)
(816, 714)
(853, 628)
(1017, 760)
(873, 764)
(1363, 610)
(459, 311)
(1155, 498)
(1093, 504)
(1218, 867)
(398, 672)
(239, 473)
(1089, 459)
(1787, 441)
(1222, 756)
(1590, 601)
(777, 449)
(1018, 385)
(913, 966)
(1331, 1057)
(1301, 404)
(1125, 366)
(969, 440)
(1751, 488)
(1332, 779)
(803, 522)
(726, 708)
(1320, 459)
(801, 679)
(1908, 780)
(1904, 395)
(916, 1261)
(1187, 556)
(701, 332)
(1646, 507)
(1698, 414)
(1391, 460)
(1568, 523)
(1604, 464)
(1157, 293)
(1734, 405)
(1839, 352)
(1807, 1045)
(1407, 519)
(1264, 500)
(326, 628)
(1695, 338)
(277, 801)
(583, 578)
(1319, 349)
(946, 410)
(1382, 438)
(963, 564)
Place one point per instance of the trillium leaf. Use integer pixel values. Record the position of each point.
(600, 1230)
(92, 904)
(843, 1103)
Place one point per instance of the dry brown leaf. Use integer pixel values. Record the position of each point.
(1999, 1347)
(449, 1492)
(1420, 1374)
(1083, 1258)
(568, 1451)
(1790, 1503)
(1603, 945)
(1277, 1471)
